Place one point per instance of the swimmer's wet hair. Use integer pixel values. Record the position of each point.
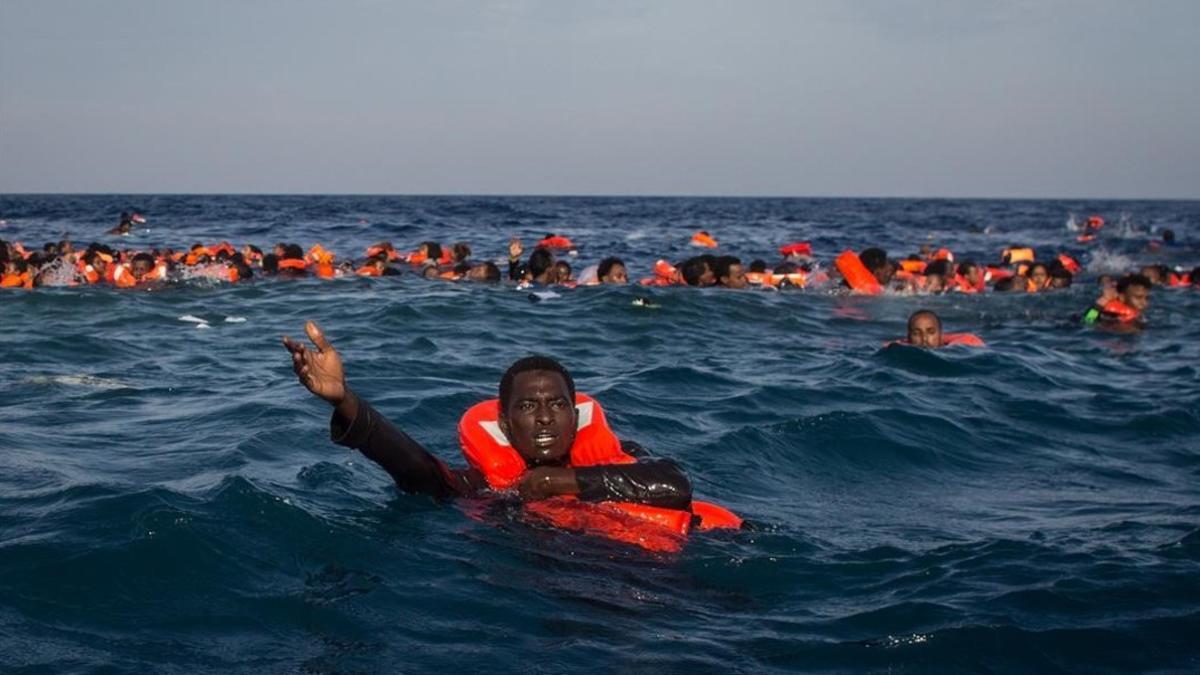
(924, 312)
(873, 258)
(536, 362)
(539, 261)
(606, 266)
(1133, 280)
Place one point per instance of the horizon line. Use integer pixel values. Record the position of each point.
(596, 196)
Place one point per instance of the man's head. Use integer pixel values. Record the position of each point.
(612, 271)
(540, 261)
(141, 265)
(1169, 236)
(1155, 274)
(485, 271)
(924, 329)
(562, 271)
(972, 272)
(431, 249)
(729, 273)
(1135, 291)
(697, 272)
(876, 262)
(537, 410)
(460, 251)
(1039, 275)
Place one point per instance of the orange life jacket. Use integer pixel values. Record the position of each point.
(798, 279)
(949, 339)
(665, 274)
(556, 241)
(1178, 280)
(654, 528)
(15, 280)
(293, 264)
(703, 239)
(416, 258)
(961, 284)
(964, 339)
(1072, 265)
(796, 248)
(1012, 256)
(123, 277)
(1121, 312)
(369, 271)
(856, 274)
(913, 266)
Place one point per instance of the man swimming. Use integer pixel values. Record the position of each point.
(925, 330)
(537, 418)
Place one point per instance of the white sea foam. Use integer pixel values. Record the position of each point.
(76, 381)
(235, 319)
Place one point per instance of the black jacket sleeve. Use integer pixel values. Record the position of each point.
(414, 468)
(654, 483)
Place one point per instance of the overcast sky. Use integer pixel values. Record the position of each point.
(1010, 98)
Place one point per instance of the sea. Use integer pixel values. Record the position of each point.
(171, 502)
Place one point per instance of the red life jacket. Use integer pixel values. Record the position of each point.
(557, 242)
(948, 339)
(1121, 312)
(654, 528)
(856, 274)
(665, 274)
(796, 248)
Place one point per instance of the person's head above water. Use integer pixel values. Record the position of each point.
(697, 271)
(876, 262)
(541, 266)
(729, 273)
(924, 329)
(537, 410)
(1134, 290)
(612, 271)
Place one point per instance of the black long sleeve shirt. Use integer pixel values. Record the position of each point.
(416, 470)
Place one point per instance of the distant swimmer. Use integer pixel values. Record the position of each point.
(925, 330)
(125, 226)
(539, 439)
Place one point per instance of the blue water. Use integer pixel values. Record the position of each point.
(170, 501)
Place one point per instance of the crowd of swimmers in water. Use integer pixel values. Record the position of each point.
(1119, 306)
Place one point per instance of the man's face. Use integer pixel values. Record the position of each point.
(540, 419)
(974, 275)
(1137, 297)
(616, 275)
(140, 268)
(924, 331)
(935, 283)
(1038, 276)
(736, 278)
(708, 278)
(884, 273)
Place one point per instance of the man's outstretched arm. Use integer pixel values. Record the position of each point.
(357, 425)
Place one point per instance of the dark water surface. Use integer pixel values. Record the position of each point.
(170, 501)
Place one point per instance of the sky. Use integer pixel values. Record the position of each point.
(934, 98)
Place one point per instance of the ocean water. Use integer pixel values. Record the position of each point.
(170, 500)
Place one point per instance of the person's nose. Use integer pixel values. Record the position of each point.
(543, 415)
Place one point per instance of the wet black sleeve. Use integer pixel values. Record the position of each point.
(653, 482)
(414, 468)
(516, 269)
